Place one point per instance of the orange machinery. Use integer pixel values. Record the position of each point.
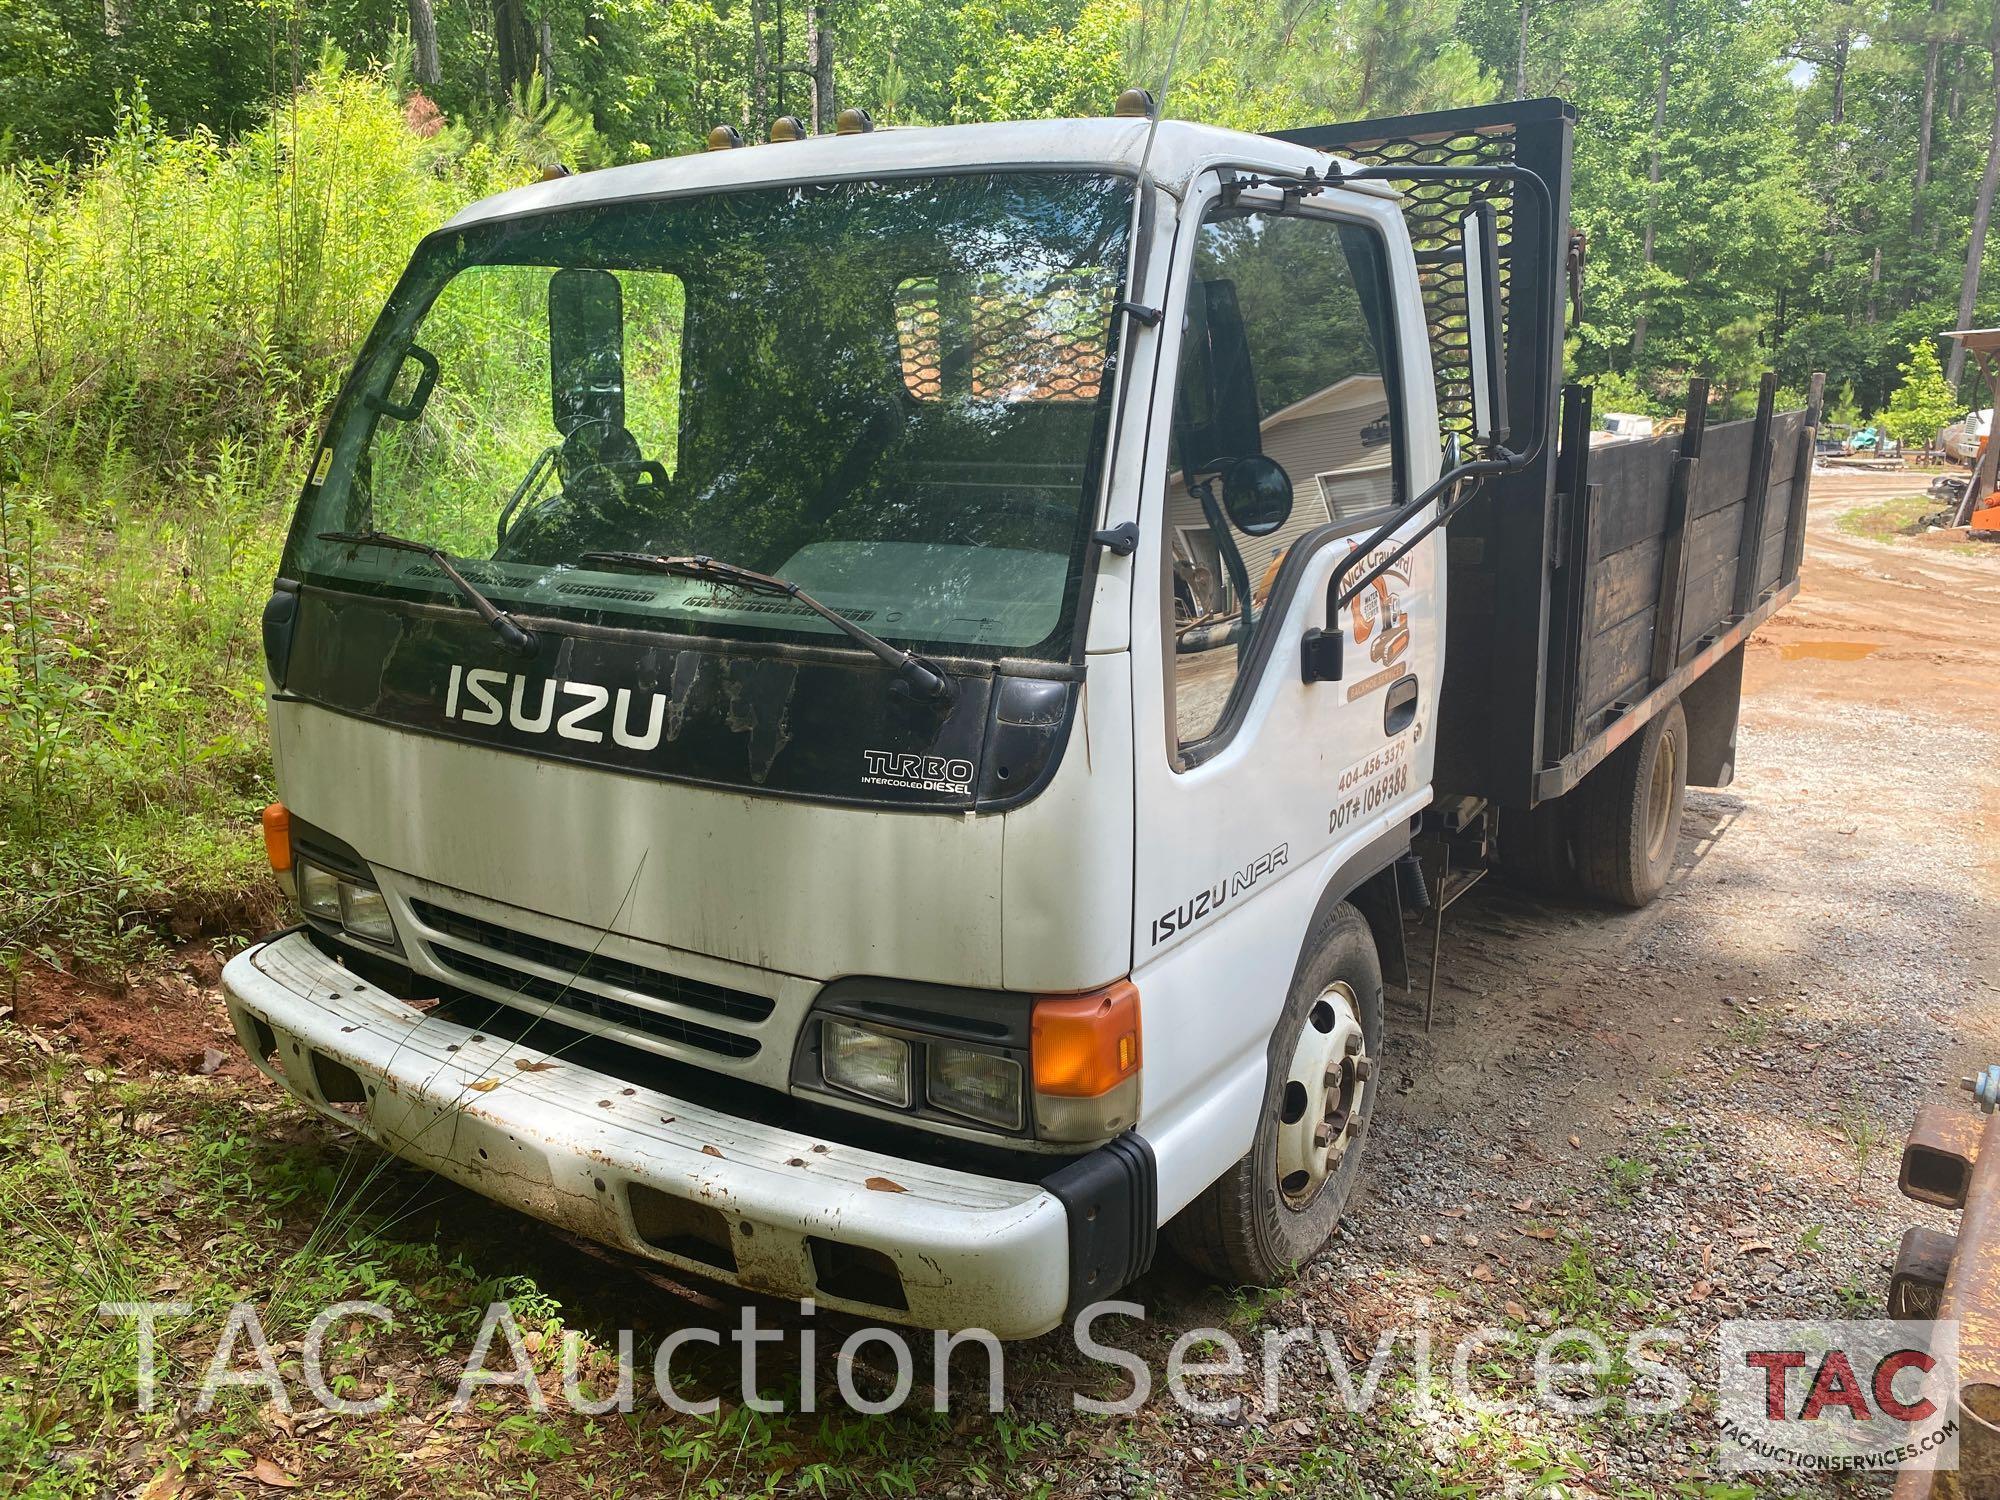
(1980, 509)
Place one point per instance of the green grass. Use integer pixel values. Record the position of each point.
(208, 1192)
(175, 314)
(1886, 520)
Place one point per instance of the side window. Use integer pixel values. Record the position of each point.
(1287, 386)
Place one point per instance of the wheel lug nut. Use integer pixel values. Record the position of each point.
(1364, 1068)
(1354, 1042)
(1323, 1137)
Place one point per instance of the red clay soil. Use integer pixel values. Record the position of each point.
(168, 1020)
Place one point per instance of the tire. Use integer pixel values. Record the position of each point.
(1535, 852)
(1629, 814)
(1245, 1227)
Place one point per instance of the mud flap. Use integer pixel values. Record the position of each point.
(1711, 703)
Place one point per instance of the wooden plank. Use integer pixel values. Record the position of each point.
(1784, 445)
(1705, 611)
(1679, 521)
(1626, 583)
(1636, 478)
(1712, 542)
(1725, 466)
(1619, 661)
(1751, 540)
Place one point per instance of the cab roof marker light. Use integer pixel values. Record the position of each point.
(853, 122)
(724, 138)
(1135, 104)
(787, 128)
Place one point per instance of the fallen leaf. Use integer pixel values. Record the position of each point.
(1515, 1311)
(267, 1473)
(1755, 1247)
(1522, 1206)
(165, 1485)
(1424, 1239)
(526, 1066)
(1539, 1232)
(1482, 1273)
(484, 1085)
(884, 1185)
(1700, 1291)
(1576, 1143)
(279, 1420)
(1451, 1213)
(711, 1151)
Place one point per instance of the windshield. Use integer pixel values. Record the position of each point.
(892, 393)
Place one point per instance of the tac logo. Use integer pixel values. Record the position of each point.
(1834, 1396)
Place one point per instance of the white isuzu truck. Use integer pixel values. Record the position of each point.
(866, 717)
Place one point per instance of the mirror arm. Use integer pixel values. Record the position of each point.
(1320, 660)
(1320, 657)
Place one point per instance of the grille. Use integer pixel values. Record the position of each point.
(596, 968)
(488, 577)
(564, 997)
(608, 591)
(751, 604)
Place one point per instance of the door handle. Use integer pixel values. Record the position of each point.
(1399, 705)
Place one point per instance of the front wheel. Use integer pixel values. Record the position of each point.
(1276, 1208)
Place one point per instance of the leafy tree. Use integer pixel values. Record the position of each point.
(1924, 402)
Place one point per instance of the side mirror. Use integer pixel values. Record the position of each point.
(1482, 325)
(1216, 412)
(586, 349)
(1257, 493)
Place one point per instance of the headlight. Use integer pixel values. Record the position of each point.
(979, 1085)
(364, 913)
(1059, 1069)
(352, 905)
(319, 893)
(865, 1062)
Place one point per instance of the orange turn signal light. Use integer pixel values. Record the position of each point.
(278, 837)
(1086, 1045)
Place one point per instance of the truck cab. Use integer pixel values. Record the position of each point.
(799, 699)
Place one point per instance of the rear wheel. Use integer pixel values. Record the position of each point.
(1629, 814)
(1276, 1208)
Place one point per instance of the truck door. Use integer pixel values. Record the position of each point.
(1298, 416)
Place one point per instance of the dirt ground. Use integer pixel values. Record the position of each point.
(1620, 1120)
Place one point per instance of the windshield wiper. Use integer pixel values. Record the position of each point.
(923, 677)
(516, 638)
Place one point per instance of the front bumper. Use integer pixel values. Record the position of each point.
(771, 1210)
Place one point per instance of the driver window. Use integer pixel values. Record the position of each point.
(1287, 384)
(547, 380)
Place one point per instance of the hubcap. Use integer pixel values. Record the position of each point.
(1319, 1109)
(1660, 800)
